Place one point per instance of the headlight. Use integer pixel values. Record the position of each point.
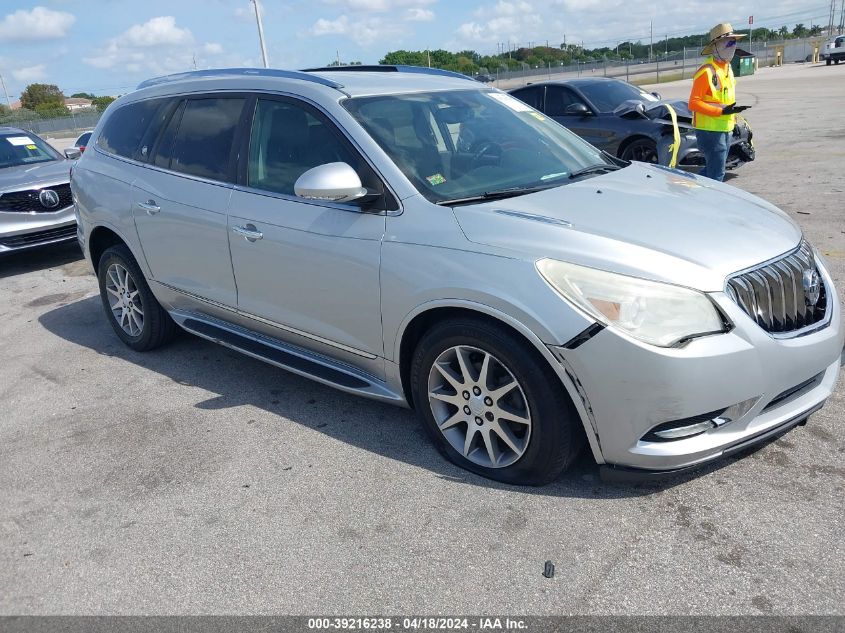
(656, 313)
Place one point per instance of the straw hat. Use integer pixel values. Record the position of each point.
(721, 32)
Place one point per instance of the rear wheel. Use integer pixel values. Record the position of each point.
(643, 150)
(133, 312)
(492, 405)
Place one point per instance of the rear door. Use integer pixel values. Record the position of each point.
(180, 200)
(312, 276)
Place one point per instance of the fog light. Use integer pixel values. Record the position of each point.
(690, 427)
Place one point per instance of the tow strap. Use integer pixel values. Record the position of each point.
(673, 162)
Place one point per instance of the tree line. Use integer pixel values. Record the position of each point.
(470, 62)
(47, 101)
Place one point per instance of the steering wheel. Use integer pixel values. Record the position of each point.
(482, 148)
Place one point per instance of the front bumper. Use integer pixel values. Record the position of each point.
(628, 387)
(20, 231)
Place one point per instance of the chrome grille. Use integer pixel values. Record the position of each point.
(775, 296)
(28, 201)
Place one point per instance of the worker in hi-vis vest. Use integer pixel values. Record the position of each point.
(713, 100)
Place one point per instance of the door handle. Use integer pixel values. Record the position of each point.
(249, 232)
(150, 207)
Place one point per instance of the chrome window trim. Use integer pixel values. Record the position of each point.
(340, 206)
(254, 317)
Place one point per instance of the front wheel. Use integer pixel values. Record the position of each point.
(492, 405)
(133, 312)
(643, 150)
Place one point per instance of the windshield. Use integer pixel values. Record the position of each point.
(23, 148)
(461, 144)
(606, 96)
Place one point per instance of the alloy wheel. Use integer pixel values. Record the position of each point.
(125, 300)
(479, 406)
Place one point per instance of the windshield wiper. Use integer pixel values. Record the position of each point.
(593, 169)
(499, 194)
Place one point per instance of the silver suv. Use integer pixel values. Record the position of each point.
(418, 238)
(35, 200)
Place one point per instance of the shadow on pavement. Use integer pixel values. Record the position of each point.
(40, 258)
(380, 428)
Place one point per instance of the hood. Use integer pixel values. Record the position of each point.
(658, 110)
(643, 220)
(655, 109)
(35, 175)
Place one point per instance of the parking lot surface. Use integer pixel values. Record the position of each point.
(196, 480)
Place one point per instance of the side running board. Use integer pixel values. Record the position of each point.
(286, 356)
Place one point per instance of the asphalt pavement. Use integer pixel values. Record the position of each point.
(194, 480)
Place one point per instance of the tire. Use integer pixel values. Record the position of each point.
(145, 324)
(502, 445)
(827, 61)
(642, 149)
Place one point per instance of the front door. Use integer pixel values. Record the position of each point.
(306, 272)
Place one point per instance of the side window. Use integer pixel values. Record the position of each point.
(128, 126)
(558, 99)
(205, 137)
(287, 140)
(531, 96)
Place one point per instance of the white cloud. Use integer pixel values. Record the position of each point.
(212, 48)
(377, 5)
(157, 46)
(38, 24)
(364, 31)
(157, 32)
(30, 74)
(419, 15)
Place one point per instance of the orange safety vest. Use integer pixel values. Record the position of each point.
(722, 92)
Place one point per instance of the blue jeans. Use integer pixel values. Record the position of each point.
(714, 146)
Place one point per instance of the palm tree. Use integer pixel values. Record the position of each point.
(783, 32)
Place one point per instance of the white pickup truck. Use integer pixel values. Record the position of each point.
(833, 50)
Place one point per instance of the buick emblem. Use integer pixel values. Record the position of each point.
(812, 287)
(49, 199)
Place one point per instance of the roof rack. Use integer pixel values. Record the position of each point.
(389, 68)
(228, 72)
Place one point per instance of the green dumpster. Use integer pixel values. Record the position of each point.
(743, 63)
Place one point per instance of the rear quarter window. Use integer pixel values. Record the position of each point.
(129, 125)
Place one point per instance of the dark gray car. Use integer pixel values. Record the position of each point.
(628, 122)
(36, 207)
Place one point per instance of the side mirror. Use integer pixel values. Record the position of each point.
(73, 153)
(335, 182)
(577, 109)
(657, 95)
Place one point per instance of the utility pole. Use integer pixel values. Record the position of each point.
(5, 92)
(261, 33)
(651, 44)
(428, 54)
(842, 17)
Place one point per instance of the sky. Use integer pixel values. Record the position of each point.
(107, 47)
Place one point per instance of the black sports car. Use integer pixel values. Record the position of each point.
(628, 122)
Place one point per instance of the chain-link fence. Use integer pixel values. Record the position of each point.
(69, 125)
(661, 67)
